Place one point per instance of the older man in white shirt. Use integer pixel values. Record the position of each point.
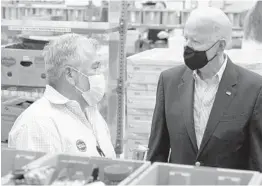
(66, 119)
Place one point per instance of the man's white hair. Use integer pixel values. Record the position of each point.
(212, 22)
(68, 49)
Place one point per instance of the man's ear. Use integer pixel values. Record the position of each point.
(69, 75)
(222, 45)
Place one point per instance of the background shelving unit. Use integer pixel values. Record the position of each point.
(116, 46)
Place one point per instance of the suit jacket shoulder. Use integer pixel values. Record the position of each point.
(247, 77)
(174, 73)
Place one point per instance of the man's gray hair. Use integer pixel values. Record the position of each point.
(68, 49)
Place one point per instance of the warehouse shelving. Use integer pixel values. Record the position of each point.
(63, 11)
(64, 26)
(161, 26)
(170, 18)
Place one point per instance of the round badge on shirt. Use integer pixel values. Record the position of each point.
(80, 144)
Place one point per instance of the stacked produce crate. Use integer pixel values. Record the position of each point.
(66, 169)
(12, 159)
(69, 13)
(174, 174)
(36, 168)
(143, 70)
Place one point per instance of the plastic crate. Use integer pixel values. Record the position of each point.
(15, 159)
(78, 162)
(152, 17)
(68, 12)
(170, 17)
(174, 174)
(135, 16)
(76, 13)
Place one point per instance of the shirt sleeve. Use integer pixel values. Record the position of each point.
(36, 134)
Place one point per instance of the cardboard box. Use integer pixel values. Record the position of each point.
(23, 67)
(141, 102)
(138, 112)
(138, 127)
(139, 93)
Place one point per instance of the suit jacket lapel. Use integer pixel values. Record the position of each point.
(225, 94)
(186, 93)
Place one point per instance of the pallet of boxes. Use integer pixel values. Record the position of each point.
(143, 70)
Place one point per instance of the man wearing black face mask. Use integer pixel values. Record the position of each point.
(209, 111)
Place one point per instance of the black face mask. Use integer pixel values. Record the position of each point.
(196, 59)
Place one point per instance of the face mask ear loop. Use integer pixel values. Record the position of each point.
(212, 57)
(210, 48)
(82, 75)
(81, 91)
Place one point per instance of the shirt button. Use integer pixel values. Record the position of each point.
(197, 164)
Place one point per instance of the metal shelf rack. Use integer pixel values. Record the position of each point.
(64, 26)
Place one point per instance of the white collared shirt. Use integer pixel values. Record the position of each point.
(56, 124)
(204, 97)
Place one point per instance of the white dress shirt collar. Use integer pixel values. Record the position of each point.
(218, 75)
(54, 96)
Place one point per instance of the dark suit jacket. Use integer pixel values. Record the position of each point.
(233, 137)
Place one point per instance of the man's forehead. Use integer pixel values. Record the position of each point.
(198, 36)
(199, 31)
